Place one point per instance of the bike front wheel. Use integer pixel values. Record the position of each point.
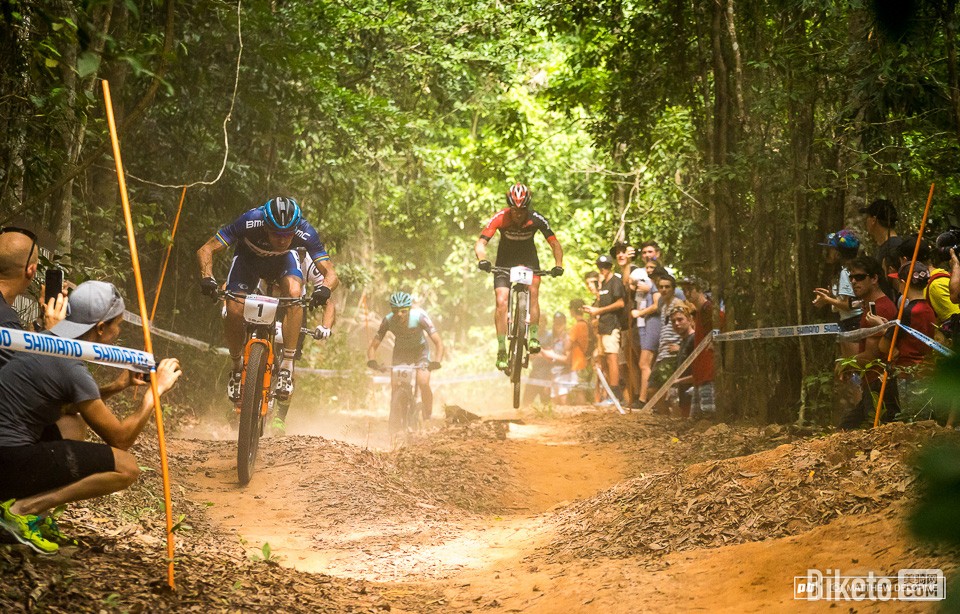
(518, 344)
(251, 419)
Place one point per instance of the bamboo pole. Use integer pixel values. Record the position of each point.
(147, 341)
(903, 302)
(166, 258)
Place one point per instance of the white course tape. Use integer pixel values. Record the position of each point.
(778, 332)
(165, 334)
(936, 345)
(863, 333)
(50, 345)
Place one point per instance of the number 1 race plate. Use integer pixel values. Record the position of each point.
(260, 309)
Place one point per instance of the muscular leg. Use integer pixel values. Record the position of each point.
(233, 331)
(292, 286)
(500, 316)
(426, 394)
(535, 306)
(125, 473)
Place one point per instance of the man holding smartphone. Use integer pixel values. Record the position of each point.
(865, 273)
(19, 254)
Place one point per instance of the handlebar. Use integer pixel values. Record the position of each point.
(311, 332)
(506, 269)
(303, 301)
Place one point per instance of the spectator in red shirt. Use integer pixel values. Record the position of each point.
(911, 354)
(865, 273)
(703, 405)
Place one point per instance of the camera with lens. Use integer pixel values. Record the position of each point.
(949, 240)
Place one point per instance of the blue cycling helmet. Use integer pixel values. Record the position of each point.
(282, 214)
(843, 240)
(399, 300)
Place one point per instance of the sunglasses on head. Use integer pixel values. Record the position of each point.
(859, 276)
(27, 233)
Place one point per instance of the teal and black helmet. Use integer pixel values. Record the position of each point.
(400, 299)
(282, 214)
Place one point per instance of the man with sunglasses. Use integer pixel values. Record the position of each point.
(265, 241)
(518, 225)
(19, 254)
(865, 274)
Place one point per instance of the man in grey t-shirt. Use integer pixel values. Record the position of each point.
(41, 469)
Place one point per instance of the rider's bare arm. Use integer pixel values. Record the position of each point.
(205, 256)
(480, 248)
(438, 344)
(372, 348)
(330, 278)
(557, 251)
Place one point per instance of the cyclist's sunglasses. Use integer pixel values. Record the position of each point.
(283, 234)
(27, 233)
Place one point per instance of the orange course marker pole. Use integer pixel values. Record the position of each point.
(166, 258)
(903, 302)
(147, 341)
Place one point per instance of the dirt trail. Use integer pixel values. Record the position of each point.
(309, 509)
(462, 521)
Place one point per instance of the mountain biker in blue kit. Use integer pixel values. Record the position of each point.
(265, 241)
(411, 326)
(518, 224)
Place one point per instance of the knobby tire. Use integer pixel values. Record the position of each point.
(517, 345)
(400, 410)
(251, 421)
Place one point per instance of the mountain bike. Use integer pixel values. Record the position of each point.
(258, 383)
(518, 321)
(406, 414)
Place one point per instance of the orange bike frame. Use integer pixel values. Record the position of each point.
(265, 388)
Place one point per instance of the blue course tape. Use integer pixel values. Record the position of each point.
(936, 345)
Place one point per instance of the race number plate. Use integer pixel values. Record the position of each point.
(260, 309)
(404, 373)
(521, 275)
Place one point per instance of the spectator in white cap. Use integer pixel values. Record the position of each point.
(46, 464)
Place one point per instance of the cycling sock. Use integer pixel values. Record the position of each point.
(533, 331)
(502, 343)
(237, 362)
(287, 362)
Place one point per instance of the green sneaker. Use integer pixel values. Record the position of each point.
(26, 529)
(502, 360)
(533, 345)
(51, 532)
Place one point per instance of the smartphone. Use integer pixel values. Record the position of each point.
(52, 284)
(872, 307)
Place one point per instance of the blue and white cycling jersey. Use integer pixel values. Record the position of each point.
(249, 236)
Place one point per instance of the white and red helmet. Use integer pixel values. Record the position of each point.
(518, 196)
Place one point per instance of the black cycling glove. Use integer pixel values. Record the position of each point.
(556, 271)
(209, 285)
(485, 266)
(320, 296)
